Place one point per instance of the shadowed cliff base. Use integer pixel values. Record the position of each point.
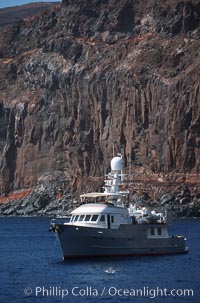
(89, 74)
(52, 198)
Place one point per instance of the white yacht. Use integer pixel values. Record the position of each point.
(106, 227)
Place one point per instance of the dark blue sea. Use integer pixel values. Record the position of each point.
(32, 270)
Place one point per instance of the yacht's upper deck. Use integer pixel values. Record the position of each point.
(99, 208)
(100, 216)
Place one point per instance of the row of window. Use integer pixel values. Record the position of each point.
(90, 218)
(87, 218)
(159, 231)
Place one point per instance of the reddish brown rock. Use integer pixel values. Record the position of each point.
(87, 75)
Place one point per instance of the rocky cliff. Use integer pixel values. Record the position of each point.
(88, 74)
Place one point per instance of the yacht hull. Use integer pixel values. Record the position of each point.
(128, 240)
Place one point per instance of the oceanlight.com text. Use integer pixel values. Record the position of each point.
(112, 291)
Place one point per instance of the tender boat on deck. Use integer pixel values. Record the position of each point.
(106, 227)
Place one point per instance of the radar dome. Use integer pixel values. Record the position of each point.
(117, 163)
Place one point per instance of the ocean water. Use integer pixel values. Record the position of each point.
(32, 270)
(8, 3)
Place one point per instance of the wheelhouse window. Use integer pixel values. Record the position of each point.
(94, 218)
(87, 217)
(112, 219)
(72, 219)
(81, 218)
(76, 218)
(102, 219)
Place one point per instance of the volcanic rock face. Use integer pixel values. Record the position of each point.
(91, 73)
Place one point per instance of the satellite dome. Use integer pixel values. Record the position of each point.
(117, 163)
